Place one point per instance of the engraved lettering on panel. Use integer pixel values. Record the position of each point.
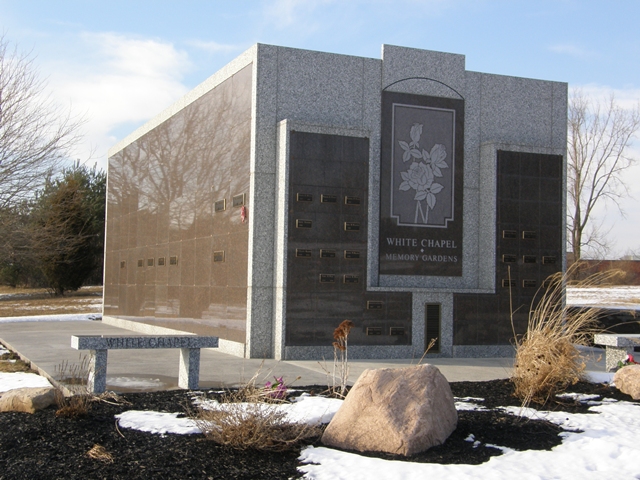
(300, 223)
(351, 200)
(303, 253)
(351, 254)
(374, 330)
(304, 197)
(396, 331)
(350, 279)
(327, 253)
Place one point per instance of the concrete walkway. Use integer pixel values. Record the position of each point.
(47, 345)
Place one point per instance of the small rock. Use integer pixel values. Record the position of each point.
(401, 411)
(27, 399)
(627, 380)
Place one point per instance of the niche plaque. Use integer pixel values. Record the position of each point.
(374, 305)
(220, 205)
(327, 278)
(529, 259)
(350, 279)
(218, 256)
(238, 200)
(508, 258)
(300, 223)
(161, 261)
(351, 254)
(549, 260)
(327, 253)
(328, 198)
(303, 253)
(351, 226)
(173, 260)
(304, 197)
(511, 234)
(352, 200)
(529, 235)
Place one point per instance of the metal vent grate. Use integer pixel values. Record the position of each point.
(432, 326)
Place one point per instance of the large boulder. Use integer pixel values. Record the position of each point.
(27, 399)
(401, 411)
(627, 380)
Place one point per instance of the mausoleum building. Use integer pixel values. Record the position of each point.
(295, 189)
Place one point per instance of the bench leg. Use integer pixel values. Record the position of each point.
(188, 376)
(613, 355)
(97, 381)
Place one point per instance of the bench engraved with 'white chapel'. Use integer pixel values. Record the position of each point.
(189, 345)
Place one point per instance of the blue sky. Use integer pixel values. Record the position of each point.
(120, 63)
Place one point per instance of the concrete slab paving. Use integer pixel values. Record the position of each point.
(47, 345)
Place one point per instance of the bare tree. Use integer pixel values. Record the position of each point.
(35, 135)
(599, 136)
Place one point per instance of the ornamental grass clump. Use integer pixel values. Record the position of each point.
(547, 360)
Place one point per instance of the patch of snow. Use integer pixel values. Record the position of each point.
(74, 317)
(304, 409)
(607, 447)
(11, 381)
(598, 377)
(157, 422)
(619, 297)
(3, 350)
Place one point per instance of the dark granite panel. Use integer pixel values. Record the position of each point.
(315, 309)
(163, 187)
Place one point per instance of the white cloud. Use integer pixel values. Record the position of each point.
(117, 81)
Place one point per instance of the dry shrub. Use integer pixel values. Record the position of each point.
(341, 357)
(98, 452)
(257, 426)
(547, 360)
(74, 406)
(74, 377)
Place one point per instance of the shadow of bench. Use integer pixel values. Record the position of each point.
(99, 345)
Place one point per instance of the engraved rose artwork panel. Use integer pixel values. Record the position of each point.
(423, 166)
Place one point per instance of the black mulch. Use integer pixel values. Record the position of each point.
(44, 446)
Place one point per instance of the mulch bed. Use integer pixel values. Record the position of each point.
(45, 446)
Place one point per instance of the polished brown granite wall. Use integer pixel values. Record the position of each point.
(176, 247)
(529, 249)
(327, 248)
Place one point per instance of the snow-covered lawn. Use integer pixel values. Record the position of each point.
(623, 296)
(600, 445)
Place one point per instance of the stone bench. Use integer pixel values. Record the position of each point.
(189, 345)
(617, 347)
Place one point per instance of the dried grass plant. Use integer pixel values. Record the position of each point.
(257, 426)
(341, 357)
(98, 452)
(77, 402)
(251, 418)
(547, 360)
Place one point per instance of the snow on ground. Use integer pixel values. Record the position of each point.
(73, 317)
(599, 445)
(3, 350)
(11, 381)
(623, 297)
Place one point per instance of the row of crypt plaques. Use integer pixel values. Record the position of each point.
(324, 198)
(236, 201)
(218, 256)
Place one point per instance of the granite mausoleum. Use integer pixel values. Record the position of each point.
(295, 189)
